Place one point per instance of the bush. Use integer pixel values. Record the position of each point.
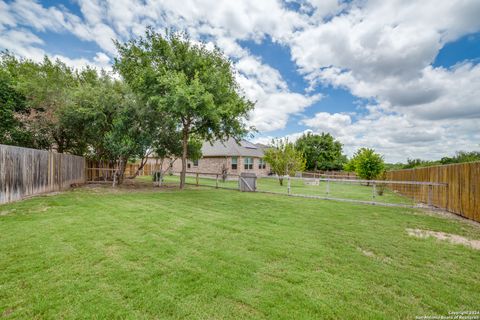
(366, 163)
(382, 186)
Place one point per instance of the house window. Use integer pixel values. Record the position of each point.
(248, 163)
(189, 165)
(262, 164)
(234, 163)
(195, 163)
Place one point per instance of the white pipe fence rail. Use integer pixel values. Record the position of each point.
(376, 192)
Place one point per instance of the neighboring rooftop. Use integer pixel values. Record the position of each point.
(231, 148)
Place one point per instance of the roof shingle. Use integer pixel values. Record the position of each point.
(231, 148)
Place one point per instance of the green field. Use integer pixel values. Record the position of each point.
(340, 190)
(204, 253)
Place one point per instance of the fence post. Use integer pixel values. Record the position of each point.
(430, 191)
(197, 178)
(374, 190)
(328, 187)
(288, 184)
(216, 182)
(447, 197)
(414, 192)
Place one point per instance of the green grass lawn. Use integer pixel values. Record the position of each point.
(217, 254)
(341, 190)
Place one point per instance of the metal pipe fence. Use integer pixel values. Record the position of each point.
(376, 192)
(380, 192)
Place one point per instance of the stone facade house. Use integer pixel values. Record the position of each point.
(235, 157)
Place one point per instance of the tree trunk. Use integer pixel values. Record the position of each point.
(184, 158)
(143, 162)
(119, 172)
(280, 179)
(60, 146)
(115, 174)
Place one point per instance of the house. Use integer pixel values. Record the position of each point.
(235, 157)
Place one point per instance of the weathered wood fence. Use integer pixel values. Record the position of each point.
(25, 172)
(462, 194)
(104, 170)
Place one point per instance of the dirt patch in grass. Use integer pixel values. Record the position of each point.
(372, 255)
(7, 312)
(448, 215)
(367, 253)
(35, 209)
(6, 212)
(246, 308)
(452, 238)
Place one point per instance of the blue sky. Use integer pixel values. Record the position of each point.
(467, 48)
(403, 79)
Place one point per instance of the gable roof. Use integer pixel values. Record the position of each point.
(231, 148)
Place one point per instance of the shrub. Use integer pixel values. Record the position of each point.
(366, 163)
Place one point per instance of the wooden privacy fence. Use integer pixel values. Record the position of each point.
(462, 194)
(104, 170)
(25, 172)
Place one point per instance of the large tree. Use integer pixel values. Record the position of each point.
(284, 159)
(107, 122)
(45, 89)
(321, 151)
(190, 83)
(12, 103)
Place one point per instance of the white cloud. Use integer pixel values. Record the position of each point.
(397, 136)
(24, 43)
(333, 123)
(384, 50)
(102, 59)
(274, 101)
(21, 42)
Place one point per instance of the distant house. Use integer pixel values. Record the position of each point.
(235, 157)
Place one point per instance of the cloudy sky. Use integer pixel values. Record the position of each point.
(400, 76)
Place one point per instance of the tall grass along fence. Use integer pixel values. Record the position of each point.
(25, 172)
(462, 195)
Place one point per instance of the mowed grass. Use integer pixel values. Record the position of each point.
(341, 190)
(219, 254)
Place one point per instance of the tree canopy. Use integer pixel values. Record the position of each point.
(366, 163)
(284, 159)
(31, 96)
(321, 151)
(12, 104)
(47, 105)
(191, 84)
